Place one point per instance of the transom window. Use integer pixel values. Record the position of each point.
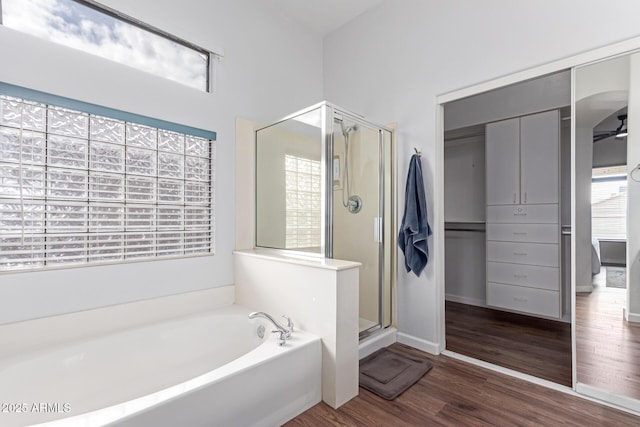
(92, 28)
(79, 188)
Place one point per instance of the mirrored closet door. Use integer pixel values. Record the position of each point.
(506, 185)
(542, 245)
(607, 232)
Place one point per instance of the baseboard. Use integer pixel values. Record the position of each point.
(419, 343)
(584, 288)
(623, 402)
(465, 300)
(376, 341)
(631, 317)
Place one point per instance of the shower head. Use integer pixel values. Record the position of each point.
(347, 130)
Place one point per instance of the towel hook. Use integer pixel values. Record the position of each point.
(419, 154)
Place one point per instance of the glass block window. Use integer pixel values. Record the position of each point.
(78, 188)
(95, 29)
(609, 203)
(303, 209)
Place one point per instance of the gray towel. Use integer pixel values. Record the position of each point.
(414, 229)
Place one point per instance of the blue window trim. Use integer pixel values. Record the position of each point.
(60, 101)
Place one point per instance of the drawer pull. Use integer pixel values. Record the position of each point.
(519, 213)
(518, 299)
(520, 276)
(520, 233)
(520, 253)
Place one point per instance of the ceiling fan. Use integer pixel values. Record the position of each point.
(619, 133)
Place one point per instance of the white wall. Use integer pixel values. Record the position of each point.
(464, 179)
(582, 227)
(271, 68)
(464, 201)
(391, 63)
(466, 267)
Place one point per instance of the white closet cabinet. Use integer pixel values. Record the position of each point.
(523, 214)
(540, 157)
(522, 160)
(503, 162)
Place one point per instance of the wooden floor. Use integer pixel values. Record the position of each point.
(531, 345)
(455, 393)
(607, 347)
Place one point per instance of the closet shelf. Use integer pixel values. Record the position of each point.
(471, 226)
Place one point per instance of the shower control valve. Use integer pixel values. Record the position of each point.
(354, 204)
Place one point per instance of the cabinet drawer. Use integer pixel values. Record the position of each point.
(540, 302)
(532, 276)
(544, 254)
(533, 233)
(538, 214)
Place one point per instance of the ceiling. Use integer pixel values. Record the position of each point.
(321, 16)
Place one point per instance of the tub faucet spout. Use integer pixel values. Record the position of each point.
(284, 332)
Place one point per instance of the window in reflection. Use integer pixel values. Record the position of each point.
(609, 203)
(302, 181)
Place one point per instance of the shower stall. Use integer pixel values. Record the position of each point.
(325, 188)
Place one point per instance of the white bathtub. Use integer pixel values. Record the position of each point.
(208, 369)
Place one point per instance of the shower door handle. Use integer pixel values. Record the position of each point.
(377, 229)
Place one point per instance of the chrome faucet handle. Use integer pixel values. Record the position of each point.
(282, 337)
(290, 325)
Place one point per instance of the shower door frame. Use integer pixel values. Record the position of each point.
(332, 113)
(329, 113)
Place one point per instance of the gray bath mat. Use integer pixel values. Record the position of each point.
(388, 373)
(616, 277)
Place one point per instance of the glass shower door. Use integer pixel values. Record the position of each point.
(358, 210)
(325, 188)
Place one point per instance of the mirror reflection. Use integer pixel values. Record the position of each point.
(606, 237)
(506, 205)
(288, 184)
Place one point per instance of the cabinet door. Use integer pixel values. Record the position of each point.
(539, 157)
(503, 162)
